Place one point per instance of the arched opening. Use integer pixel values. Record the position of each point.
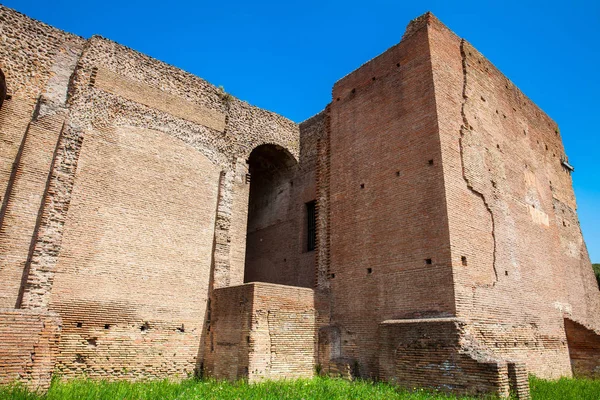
(2, 88)
(272, 231)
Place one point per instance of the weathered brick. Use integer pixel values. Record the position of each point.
(152, 225)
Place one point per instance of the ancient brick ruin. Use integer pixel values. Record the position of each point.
(422, 229)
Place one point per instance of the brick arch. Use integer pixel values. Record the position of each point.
(292, 153)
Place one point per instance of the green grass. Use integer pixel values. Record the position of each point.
(318, 388)
(565, 388)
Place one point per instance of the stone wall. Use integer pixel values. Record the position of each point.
(28, 347)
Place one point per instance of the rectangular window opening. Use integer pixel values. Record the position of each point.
(311, 220)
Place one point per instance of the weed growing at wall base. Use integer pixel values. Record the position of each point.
(318, 388)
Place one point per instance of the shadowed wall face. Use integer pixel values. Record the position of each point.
(272, 229)
(2, 88)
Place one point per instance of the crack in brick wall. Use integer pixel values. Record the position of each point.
(465, 130)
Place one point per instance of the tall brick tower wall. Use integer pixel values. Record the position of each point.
(447, 193)
(389, 252)
(520, 264)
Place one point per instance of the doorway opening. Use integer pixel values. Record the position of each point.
(271, 237)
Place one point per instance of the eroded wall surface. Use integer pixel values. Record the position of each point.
(441, 192)
(123, 197)
(37, 60)
(520, 264)
(29, 347)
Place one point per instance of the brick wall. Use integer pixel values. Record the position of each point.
(261, 331)
(440, 193)
(518, 256)
(128, 196)
(28, 347)
(429, 353)
(389, 252)
(227, 345)
(132, 278)
(28, 146)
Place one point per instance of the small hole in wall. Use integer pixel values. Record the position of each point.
(428, 261)
(463, 260)
(362, 185)
(398, 64)
(247, 339)
(430, 162)
(493, 183)
(482, 98)
(285, 259)
(506, 273)
(181, 328)
(353, 90)
(144, 327)
(397, 173)
(373, 78)
(92, 341)
(496, 111)
(7, 97)
(546, 147)
(79, 324)
(564, 224)
(338, 99)
(369, 270)
(332, 276)
(106, 326)
(498, 146)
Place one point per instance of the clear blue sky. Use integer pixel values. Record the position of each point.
(285, 56)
